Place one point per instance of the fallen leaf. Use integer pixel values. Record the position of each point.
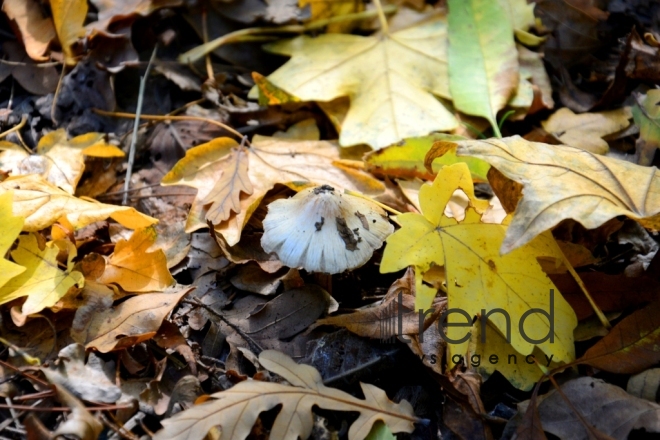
(59, 160)
(37, 31)
(11, 227)
(631, 346)
(647, 118)
(395, 315)
(269, 94)
(586, 130)
(91, 381)
(530, 427)
(224, 196)
(136, 269)
(645, 385)
(405, 159)
(43, 282)
(562, 182)
(483, 62)
(68, 16)
(236, 409)
(269, 162)
(380, 431)
(324, 9)
(605, 407)
(41, 204)
(33, 77)
(479, 278)
(391, 81)
(133, 321)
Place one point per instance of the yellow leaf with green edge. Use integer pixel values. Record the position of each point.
(69, 16)
(478, 277)
(483, 61)
(41, 204)
(136, 269)
(392, 81)
(406, 159)
(43, 282)
(11, 227)
(60, 160)
(296, 164)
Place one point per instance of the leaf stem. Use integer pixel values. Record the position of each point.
(381, 17)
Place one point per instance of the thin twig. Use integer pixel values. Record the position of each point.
(138, 110)
(169, 118)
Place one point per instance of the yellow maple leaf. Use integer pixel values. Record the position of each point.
(11, 227)
(59, 160)
(69, 16)
(478, 277)
(134, 268)
(41, 204)
(297, 164)
(391, 80)
(43, 282)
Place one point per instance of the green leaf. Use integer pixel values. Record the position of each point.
(483, 63)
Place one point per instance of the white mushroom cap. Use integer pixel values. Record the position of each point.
(322, 230)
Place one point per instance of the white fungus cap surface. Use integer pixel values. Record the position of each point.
(322, 230)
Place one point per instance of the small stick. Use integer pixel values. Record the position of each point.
(138, 110)
(169, 118)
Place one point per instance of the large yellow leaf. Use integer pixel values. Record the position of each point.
(296, 164)
(134, 268)
(483, 62)
(37, 31)
(43, 282)
(236, 410)
(69, 16)
(478, 277)
(11, 227)
(41, 204)
(562, 182)
(391, 80)
(59, 160)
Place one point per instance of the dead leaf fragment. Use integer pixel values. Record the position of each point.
(586, 130)
(236, 409)
(68, 16)
(135, 320)
(37, 31)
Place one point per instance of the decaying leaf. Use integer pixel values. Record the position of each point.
(110, 11)
(631, 346)
(58, 160)
(297, 164)
(391, 81)
(562, 182)
(483, 62)
(37, 31)
(478, 277)
(322, 230)
(324, 9)
(41, 204)
(645, 385)
(11, 227)
(133, 321)
(43, 282)
(136, 269)
(236, 409)
(586, 130)
(606, 408)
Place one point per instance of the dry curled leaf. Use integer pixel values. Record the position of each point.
(235, 410)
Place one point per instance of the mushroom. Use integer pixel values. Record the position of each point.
(322, 230)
